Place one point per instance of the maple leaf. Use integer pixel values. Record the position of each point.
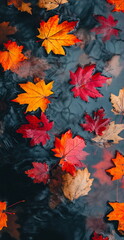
(118, 5)
(36, 95)
(101, 167)
(118, 171)
(75, 186)
(106, 27)
(118, 102)
(21, 6)
(117, 214)
(10, 59)
(3, 216)
(86, 81)
(97, 236)
(6, 30)
(56, 35)
(110, 135)
(70, 151)
(96, 124)
(39, 173)
(37, 129)
(51, 4)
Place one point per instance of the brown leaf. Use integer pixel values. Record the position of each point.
(6, 30)
(114, 67)
(75, 186)
(32, 67)
(13, 227)
(118, 102)
(50, 4)
(55, 187)
(82, 35)
(110, 135)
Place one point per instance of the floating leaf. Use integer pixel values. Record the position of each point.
(118, 102)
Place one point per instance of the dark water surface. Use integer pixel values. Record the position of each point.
(69, 220)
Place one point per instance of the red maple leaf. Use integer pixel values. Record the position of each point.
(40, 172)
(70, 151)
(102, 166)
(86, 81)
(97, 236)
(96, 124)
(106, 27)
(36, 129)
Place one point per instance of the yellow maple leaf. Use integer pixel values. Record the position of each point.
(36, 95)
(51, 4)
(56, 35)
(118, 102)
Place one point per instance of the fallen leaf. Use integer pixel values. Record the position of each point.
(5, 31)
(39, 173)
(117, 214)
(84, 59)
(36, 95)
(114, 67)
(37, 129)
(3, 215)
(118, 102)
(12, 57)
(75, 186)
(96, 124)
(55, 186)
(118, 171)
(97, 236)
(56, 35)
(118, 5)
(106, 27)
(86, 81)
(110, 135)
(32, 67)
(21, 6)
(51, 4)
(100, 167)
(96, 223)
(83, 36)
(70, 151)
(13, 227)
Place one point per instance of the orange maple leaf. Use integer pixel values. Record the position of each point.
(118, 171)
(3, 215)
(56, 35)
(21, 6)
(118, 5)
(117, 215)
(70, 151)
(36, 95)
(9, 59)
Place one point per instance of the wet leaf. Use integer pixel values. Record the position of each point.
(70, 151)
(118, 5)
(78, 185)
(118, 103)
(57, 37)
(51, 4)
(97, 236)
(5, 31)
(3, 215)
(21, 6)
(36, 95)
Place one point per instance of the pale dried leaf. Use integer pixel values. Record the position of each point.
(51, 4)
(84, 36)
(118, 102)
(114, 66)
(110, 135)
(78, 185)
